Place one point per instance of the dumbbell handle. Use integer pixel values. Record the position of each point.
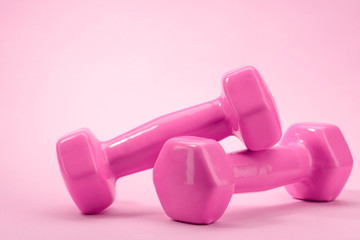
(262, 170)
(137, 149)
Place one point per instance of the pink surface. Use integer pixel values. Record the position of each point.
(146, 59)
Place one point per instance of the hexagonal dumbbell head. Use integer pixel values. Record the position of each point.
(250, 108)
(85, 174)
(193, 182)
(331, 160)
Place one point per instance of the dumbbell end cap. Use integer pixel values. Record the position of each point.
(193, 179)
(330, 161)
(87, 179)
(250, 108)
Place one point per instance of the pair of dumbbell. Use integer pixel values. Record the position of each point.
(244, 109)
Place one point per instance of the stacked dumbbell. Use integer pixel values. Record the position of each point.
(193, 176)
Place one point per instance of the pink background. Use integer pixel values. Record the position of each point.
(112, 65)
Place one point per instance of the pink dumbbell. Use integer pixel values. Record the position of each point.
(195, 178)
(90, 167)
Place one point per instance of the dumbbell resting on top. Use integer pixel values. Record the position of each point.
(195, 179)
(90, 167)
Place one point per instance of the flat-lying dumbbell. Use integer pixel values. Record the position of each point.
(90, 167)
(195, 179)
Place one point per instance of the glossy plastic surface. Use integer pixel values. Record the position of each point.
(195, 179)
(90, 167)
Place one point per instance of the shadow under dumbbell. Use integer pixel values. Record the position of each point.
(236, 216)
(119, 210)
(346, 207)
(126, 209)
